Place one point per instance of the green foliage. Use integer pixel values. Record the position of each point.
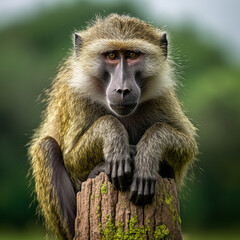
(30, 53)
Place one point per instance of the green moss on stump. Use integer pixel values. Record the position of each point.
(94, 197)
(103, 188)
(134, 232)
(112, 232)
(109, 231)
(98, 211)
(169, 201)
(161, 233)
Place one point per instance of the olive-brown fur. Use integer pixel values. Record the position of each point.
(79, 131)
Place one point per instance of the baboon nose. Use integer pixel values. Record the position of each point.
(124, 91)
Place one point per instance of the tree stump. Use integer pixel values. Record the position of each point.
(105, 213)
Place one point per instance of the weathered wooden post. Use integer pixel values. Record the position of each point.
(104, 213)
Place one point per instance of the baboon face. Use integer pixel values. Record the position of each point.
(122, 73)
(120, 63)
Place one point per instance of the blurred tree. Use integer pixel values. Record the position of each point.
(30, 52)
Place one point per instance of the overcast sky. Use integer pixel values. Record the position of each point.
(220, 17)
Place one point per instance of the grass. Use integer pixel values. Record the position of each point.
(217, 235)
(39, 234)
(26, 234)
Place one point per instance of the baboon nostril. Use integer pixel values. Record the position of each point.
(124, 92)
(119, 90)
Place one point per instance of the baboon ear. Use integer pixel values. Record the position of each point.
(164, 44)
(77, 42)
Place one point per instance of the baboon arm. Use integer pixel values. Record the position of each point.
(55, 190)
(161, 141)
(106, 139)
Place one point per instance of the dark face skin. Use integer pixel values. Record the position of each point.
(122, 70)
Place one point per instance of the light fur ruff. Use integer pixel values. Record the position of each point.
(115, 33)
(85, 130)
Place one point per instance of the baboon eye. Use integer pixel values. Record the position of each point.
(132, 55)
(112, 55)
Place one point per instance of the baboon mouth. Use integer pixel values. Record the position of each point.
(122, 105)
(123, 108)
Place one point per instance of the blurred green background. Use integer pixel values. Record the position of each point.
(207, 67)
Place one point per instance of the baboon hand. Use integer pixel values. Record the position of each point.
(120, 172)
(142, 189)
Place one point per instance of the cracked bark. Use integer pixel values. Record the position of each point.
(104, 213)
